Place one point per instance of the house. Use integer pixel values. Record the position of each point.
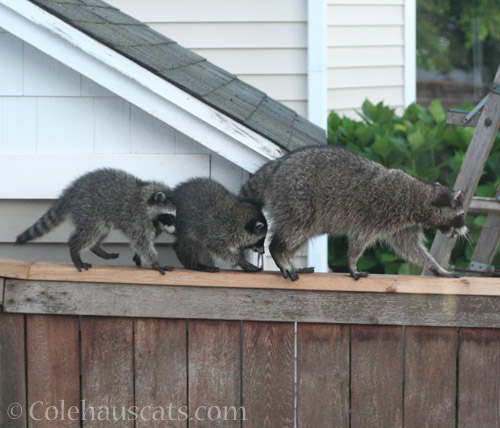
(84, 84)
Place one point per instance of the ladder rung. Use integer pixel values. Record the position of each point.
(455, 117)
(484, 205)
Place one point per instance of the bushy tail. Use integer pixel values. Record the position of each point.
(53, 217)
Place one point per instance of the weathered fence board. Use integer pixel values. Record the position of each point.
(376, 376)
(479, 378)
(12, 371)
(430, 377)
(107, 371)
(44, 297)
(160, 355)
(268, 374)
(214, 373)
(53, 371)
(322, 376)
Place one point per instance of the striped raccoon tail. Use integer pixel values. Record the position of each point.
(53, 217)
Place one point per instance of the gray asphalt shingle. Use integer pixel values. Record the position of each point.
(187, 70)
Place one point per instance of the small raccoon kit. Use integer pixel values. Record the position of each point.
(331, 190)
(212, 219)
(105, 199)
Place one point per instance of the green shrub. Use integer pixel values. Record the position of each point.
(420, 143)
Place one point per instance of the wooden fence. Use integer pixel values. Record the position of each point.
(318, 353)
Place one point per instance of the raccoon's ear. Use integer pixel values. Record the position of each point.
(159, 197)
(258, 226)
(458, 196)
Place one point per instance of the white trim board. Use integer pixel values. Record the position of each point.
(410, 52)
(317, 106)
(161, 99)
(50, 174)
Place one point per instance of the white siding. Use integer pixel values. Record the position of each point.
(365, 53)
(263, 42)
(56, 124)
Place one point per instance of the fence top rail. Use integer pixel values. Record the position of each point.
(44, 271)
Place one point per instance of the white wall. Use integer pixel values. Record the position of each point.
(264, 42)
(56, 124)
(365, 53)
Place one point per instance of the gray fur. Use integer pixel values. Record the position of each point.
(318, 190)
(100, 201)
(212, 219)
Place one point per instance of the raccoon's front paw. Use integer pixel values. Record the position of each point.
(444, 273)
(357, 275)
(83, 265)
(291, 274)
(211, 269)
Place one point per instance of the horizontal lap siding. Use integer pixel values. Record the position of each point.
(264, 43)
(365, 54)
(71, 125)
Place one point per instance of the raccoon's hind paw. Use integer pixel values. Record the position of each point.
(83, 265)
(357, 275)
(249, 267)
(137, 260)
(161, 269)
(306, 270)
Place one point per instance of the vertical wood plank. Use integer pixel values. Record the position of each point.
(15, 139)
(376, 376)
(322, 375)
(2, 288)
(268, 374)
(161, 372)
(430, 377)
(53, 370)
(479, 378)
(112, 125)
(214, 373)
(149, 134)
(12, 370)
(107, 371)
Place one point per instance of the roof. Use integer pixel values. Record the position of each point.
(188, 71)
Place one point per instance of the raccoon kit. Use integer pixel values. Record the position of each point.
(210, 218)
(318, 190)
(104, 199)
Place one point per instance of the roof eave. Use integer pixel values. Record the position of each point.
(211, 128)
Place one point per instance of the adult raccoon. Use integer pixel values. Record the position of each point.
(104, 199)
(210, 218)
(329, 189)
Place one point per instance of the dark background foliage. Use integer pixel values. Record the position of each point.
(420, 143)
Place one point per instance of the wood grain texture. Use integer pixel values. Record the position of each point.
(376, 376)
(268, 375)
(266, 280)
(160, 371)
(41, 297)
(14, 268)
(214, 373)
(2, 285)
(479, 378)
(107, 370)
(53, 370)
(455, 117)
(12, 369)
(485, 205)
(430, 377)
(322, 375)
(489, 239)
(472, 167)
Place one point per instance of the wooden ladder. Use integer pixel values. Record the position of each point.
(487, 124)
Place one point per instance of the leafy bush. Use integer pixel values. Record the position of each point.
(420, 143)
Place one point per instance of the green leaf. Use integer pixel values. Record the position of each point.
(416, 140)
(437, 111)
(388, 257)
